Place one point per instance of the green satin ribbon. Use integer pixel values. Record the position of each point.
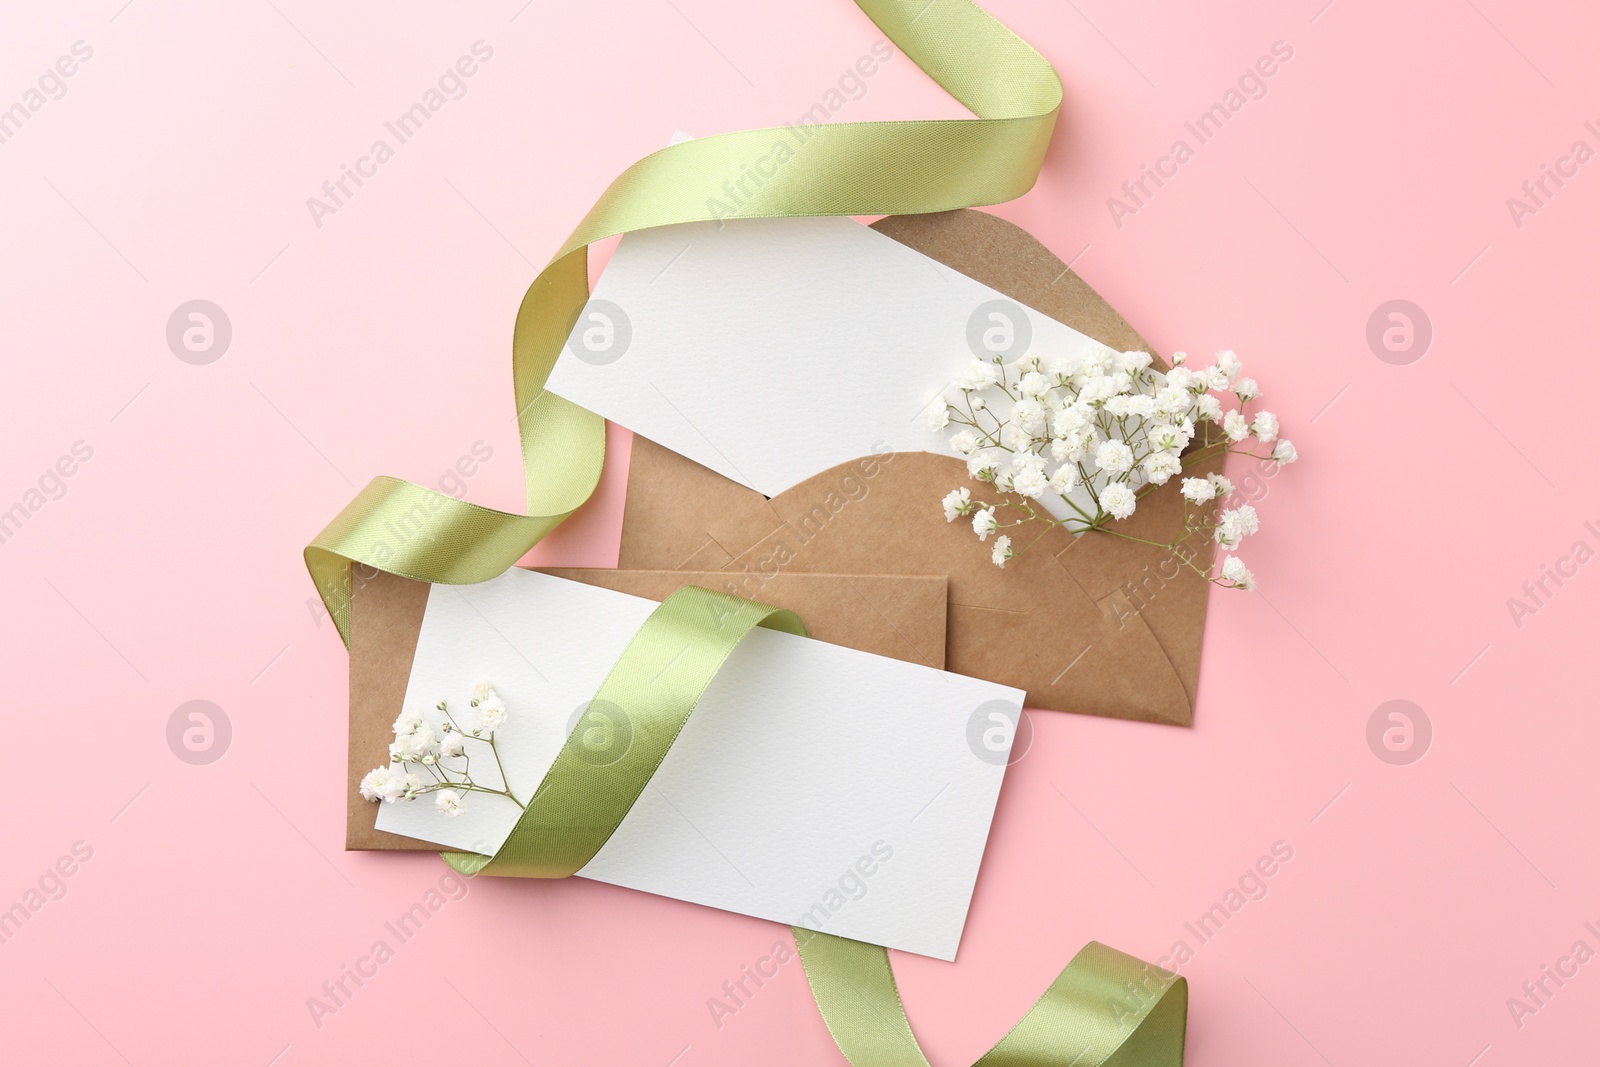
(639, 711)
(861, 168)
(1105, 1009)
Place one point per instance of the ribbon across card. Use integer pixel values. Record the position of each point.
(814, 784)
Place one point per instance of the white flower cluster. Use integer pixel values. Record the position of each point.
(416, 744)
(1087, 437)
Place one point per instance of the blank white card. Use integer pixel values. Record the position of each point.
(814, 784)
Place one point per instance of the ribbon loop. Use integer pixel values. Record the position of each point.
(860, 168)
(1105, 1009)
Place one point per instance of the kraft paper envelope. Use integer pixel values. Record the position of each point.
(900, 616)
(1096, 624)
(801, 758)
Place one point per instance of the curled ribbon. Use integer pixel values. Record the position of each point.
(859, 168)
(1106, 1009)
(652, 688)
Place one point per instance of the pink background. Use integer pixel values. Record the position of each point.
(1377, 167)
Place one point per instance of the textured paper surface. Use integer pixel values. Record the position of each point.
(1096, 624)
(802, 758)
(899, 615)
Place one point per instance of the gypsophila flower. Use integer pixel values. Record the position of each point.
(374, 784)
(978, 375)
(412, 747)
(1016, 438)
(1161, 467)
(1134, 361)
(1171, 402)
(1058, 369)
(965, 442)
(1033, 384)
(1234, 570)
(1103, 389)
(1030, 483)
(1070, 419)
(1114, 456)
(1118, 499)
(1028, 414)
(981, 467)
(1236, 524)
(1078, 439)
(1097, 362)
(1027, 461)
(984, 524)
(1167, 437)
(1184, 378)
(417, 744)
(491, 715)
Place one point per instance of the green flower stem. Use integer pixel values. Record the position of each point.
(468, 787)
(441, 773)
(495, 752)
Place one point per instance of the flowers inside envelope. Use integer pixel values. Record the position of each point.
(777, 375)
